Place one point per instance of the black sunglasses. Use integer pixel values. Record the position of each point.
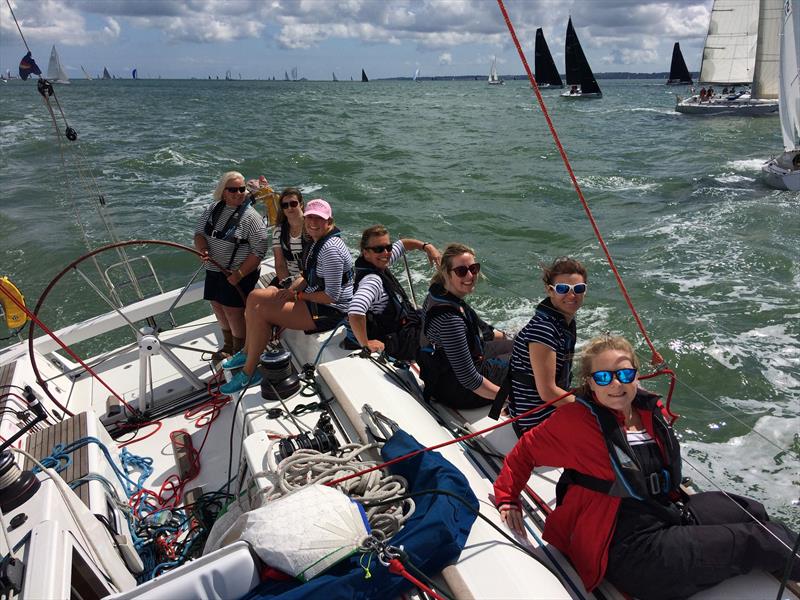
(379, 249)
(233, 190)
(462, 270)
(290, 204)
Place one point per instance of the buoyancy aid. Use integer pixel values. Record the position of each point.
(630, 482)
(309, 264)
(227, 232)
(435, 369)
(286, 247)
(398, 311)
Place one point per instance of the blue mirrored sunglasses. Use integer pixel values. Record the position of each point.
(603, 378)
(564, 288)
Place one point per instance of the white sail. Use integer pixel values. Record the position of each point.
(790, 76)
(416, 74)
(730, 51)
(55, 70)
(86, 74)
(765, 73)
(493, 78)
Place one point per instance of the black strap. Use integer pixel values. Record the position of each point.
(505, 391)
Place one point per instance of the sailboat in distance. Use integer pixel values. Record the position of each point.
(678, 71)
(106, 74)
(416, 75)
(55, 70)
(364, 77)
(494, 79)
(579, 74)
(741, 49)
(544, 66)
(334, 76)
(135, 74)
(783, 172)
(86, 73)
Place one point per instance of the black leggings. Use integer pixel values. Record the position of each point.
(651, 559)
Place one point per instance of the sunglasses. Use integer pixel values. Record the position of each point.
(564, 288)
(233, 190)
(462, 270)
(290, 204)
(603, 378)
(379, 249)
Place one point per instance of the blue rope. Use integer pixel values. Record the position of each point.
(333, 332)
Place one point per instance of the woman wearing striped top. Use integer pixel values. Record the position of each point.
(380, 315)
(541, 363)
(233, 234)
(316, 302)
(462, 349)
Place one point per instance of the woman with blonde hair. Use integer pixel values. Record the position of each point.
(620, 512)
(462, 362)
(233, 234)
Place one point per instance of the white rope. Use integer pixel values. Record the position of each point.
(306, 467)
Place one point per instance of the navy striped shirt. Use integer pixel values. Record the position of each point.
(251, 228)
(333, 261)
(549, 328)
(370, 295)
(449, 331)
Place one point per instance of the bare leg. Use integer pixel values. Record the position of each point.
(219, 312)
(235, 317)
(262, 315)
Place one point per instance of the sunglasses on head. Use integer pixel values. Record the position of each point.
(564, 288)
(241, 189)
(379, 249)
(290, 204)
(462, 270)
(603, 378)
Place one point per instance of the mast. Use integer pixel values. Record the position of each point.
(578, 70)
(544, 66)
(765, 72)
(729, 54)
(789, 96)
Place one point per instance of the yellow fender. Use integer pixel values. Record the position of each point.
(15, 316)
(270, 199)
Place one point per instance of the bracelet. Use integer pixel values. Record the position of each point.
(239, 272)
(297, 296)
(425, 244)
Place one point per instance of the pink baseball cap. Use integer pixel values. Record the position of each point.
(318, 207)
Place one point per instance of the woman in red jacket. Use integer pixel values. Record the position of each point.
(618, 512)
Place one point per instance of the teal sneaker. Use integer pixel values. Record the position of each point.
(240, 381)
(236, 361)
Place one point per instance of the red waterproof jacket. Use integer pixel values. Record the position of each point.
(583, 524)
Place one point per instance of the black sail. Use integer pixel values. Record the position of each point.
(546, 71)
(578, 70)
(364, 76)
(678, 73)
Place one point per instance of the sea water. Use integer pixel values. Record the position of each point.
(709, 254)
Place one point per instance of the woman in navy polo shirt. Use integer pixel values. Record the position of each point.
(541, 362)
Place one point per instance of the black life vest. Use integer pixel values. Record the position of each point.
(227, 232)
(435, 369)
(286, 246)
(398, 311)
(630, 482)
(309, 263)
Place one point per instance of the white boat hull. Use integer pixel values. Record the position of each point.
(783, 172)
(742, 106)
(581, 95)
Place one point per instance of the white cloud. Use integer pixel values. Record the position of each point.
(445, 58)
(53, 21)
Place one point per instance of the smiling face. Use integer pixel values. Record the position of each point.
(291, 211)
(569, 303)
(234, 198)
(317, 227)
(616, 395)
(461, 286)
(377, 259)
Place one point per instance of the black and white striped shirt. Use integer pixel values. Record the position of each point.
(295, 246)
(555, 334)
(251, 228)
(370, 295)
(448, 331)
(333, 261)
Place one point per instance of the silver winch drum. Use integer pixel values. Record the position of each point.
(280, 378)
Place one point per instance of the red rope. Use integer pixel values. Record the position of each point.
(397, 568)
(656, 358)
(69, 351)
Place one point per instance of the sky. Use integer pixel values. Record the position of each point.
(259, 39)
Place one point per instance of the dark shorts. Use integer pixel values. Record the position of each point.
(218, 289)
(325, 317)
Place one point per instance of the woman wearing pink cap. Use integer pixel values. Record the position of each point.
(316, 303)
